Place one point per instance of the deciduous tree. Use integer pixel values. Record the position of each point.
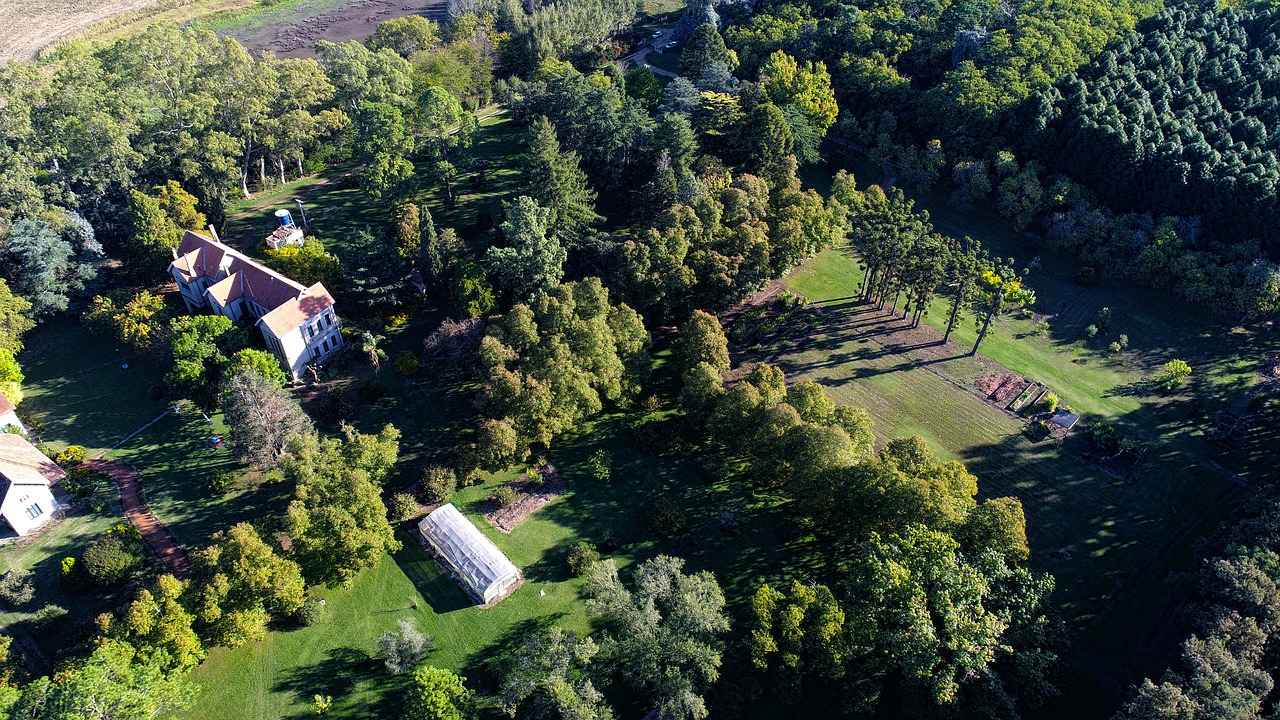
(263, 418)
(664, 637)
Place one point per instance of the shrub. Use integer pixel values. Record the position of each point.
(16, 587)
(337, 405)
(1049, 403)
(71, 577)
(406, 363)
(1115, 348)
(403, 507)
(310, 612)
(1091, 331)
(665, 517)
(1124, 341)
(402, 649)
(1172, 374)
(600, 465)
(582, 557)
(535, 478)
(438, 484)
(46, 619)
(609, 542)
(221, 481)
(506, 496)
(72, 456)
(1103, 319)
(1041, 328)
(656, 437)
(1086, 275)
(112, 559)
(726, 521)
(651, 404)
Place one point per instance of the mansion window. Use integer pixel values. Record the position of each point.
(34, 511)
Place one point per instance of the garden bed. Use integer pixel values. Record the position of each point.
(1001, 388)
(532, 498)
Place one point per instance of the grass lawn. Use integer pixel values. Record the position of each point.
(77, 390)
(338, 208)
(668, 60)
(279, 676)
(1125, 536)
(176, 465)
(43, 555)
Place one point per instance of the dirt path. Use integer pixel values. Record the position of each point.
(157, 536)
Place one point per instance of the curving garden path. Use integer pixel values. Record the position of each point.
(157, 536)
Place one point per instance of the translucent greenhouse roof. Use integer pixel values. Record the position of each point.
(474, 556)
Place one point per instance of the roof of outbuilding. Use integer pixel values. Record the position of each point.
(22, 464)
(6, 405)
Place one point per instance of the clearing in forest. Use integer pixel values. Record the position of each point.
(1110, 535)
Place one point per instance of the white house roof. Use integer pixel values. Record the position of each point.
(22, 464)
(479, 561)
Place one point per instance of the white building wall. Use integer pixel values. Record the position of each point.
(11, 418)
(20, 498)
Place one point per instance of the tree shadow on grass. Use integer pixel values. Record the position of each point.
(484, 667)
(337, 675)
(431, 580)
(1138, 388)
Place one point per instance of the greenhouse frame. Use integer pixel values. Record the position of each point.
(480, 567)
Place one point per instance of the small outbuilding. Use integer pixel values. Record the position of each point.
(9, 415)
(26, 502)
(480, 567)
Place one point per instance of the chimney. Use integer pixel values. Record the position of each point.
(213, 233)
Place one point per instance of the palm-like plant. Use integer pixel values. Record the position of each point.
(369, 346)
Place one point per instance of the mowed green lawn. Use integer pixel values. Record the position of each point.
(1124, 536)
(177, 464)
(279, 676)
(78, 391)
(338, 208)
(43, 554)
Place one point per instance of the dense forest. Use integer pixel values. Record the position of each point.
(1137, 136)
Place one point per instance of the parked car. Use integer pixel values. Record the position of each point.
(658, 34)
(669, 45)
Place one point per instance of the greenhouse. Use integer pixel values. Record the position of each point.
(484, 572)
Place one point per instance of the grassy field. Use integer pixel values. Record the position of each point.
(77, 390)
(1124, 534)
(43, 554)
(278, 677)
(339, 208)
(176, 465)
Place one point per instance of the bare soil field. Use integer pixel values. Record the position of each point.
(292, 31)
(29, 25)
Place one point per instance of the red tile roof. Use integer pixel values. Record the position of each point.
(22, 464)
(287, 302)
(6, 405)
(295, 313)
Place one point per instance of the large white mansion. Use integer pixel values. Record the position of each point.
(297, 322)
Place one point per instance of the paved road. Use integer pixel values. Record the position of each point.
(639, 56)
(157, 536)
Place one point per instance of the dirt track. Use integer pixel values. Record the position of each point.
(294, 31)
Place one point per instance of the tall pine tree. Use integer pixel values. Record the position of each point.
(554, 179)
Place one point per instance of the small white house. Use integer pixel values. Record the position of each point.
(485, 573)
(25, 478)
(9, 416)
